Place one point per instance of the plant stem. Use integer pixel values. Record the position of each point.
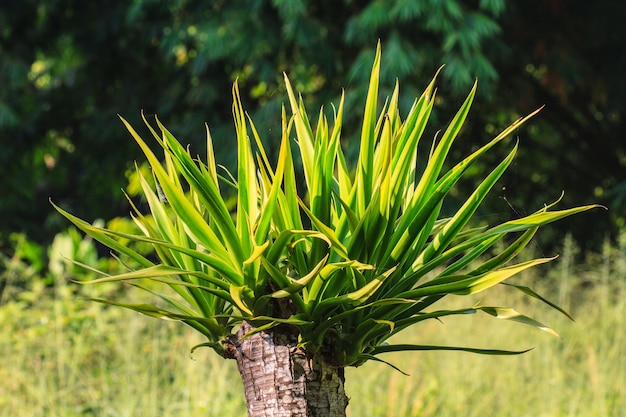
(282, 380)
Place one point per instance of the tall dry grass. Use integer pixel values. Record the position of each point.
(63, 356)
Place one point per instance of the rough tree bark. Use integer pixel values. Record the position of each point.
(281, 380)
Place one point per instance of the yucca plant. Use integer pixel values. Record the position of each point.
(297, 284)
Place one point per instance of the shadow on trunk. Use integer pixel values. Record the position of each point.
(282, 380)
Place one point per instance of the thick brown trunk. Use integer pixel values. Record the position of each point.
(281, 380)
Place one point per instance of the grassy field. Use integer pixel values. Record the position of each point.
(63, 356)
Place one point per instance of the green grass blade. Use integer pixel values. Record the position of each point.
(203, 185)
(529, 291)
(185, 211)
(468, 284)
(365, 166)
(155, 272)
(463, 215)
(413, 348)
(440, 153)
(505, 313)
(103, 237)
(247, 206)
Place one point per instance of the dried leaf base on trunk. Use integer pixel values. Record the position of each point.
(281, 380)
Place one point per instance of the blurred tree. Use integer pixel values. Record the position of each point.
(567, 56)
(69, 66)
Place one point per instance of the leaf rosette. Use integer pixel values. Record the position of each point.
(349, 260)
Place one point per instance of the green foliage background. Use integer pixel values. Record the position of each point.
(68, 67)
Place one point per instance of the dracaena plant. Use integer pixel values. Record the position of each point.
(332, 268)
